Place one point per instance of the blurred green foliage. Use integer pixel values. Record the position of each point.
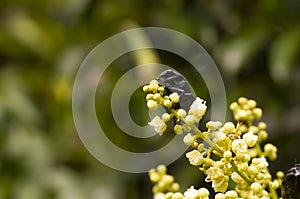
(42, 44)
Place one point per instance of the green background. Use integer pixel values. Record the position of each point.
(255, 44)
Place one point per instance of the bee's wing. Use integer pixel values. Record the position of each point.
(175, 82)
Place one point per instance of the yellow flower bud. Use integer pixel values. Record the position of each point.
(153, 86)
(243, 167)
(279, 174)
(257, 112)
(167, 103)
(166, 117)
(241, 115)
(154, 176)
(270, 151)
(243, 128)
(146, 88)
(181, 113)
(199, 146)
(161, 89)
(155, 190)
(260, 176)
(152, 105)
(234, 106)
(254, 129)
(262, 135)
(242, 100)
(178, 129)
(227, 154)
(250, 139)
(154, 81)
(194, 144)
(262, 125)
(220, 196)
(175, 187)
(161, 169)
(256, 187)
(167, 179)
(246, 157)
(156, 96)
(149, 96)
(174, 97)
(231, 194)
(168, 195)
(252, 170)
(251, 103)
(228, 127)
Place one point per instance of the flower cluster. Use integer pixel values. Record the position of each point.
(156, 96)
(226, 153)
(163, 182)
(165, 187)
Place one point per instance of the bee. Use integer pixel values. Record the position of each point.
(291, 183)
(174, 82)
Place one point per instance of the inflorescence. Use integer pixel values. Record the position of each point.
(233, 150)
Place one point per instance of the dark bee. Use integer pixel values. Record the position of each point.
(291, 183)
(173, 82)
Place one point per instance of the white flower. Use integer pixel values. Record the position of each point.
(190, 120)
(219, 136)
(195, 157)
(198, 108)
(250, 138)
(239, 146)
(213, 125)
(203, 192)
(218, 178)
(191, 193)
(177, 195)
(159, 196)
(158, 124)
(261, 162)
(188, 139)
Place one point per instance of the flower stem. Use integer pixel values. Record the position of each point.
(243, 175)
(210, 143)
